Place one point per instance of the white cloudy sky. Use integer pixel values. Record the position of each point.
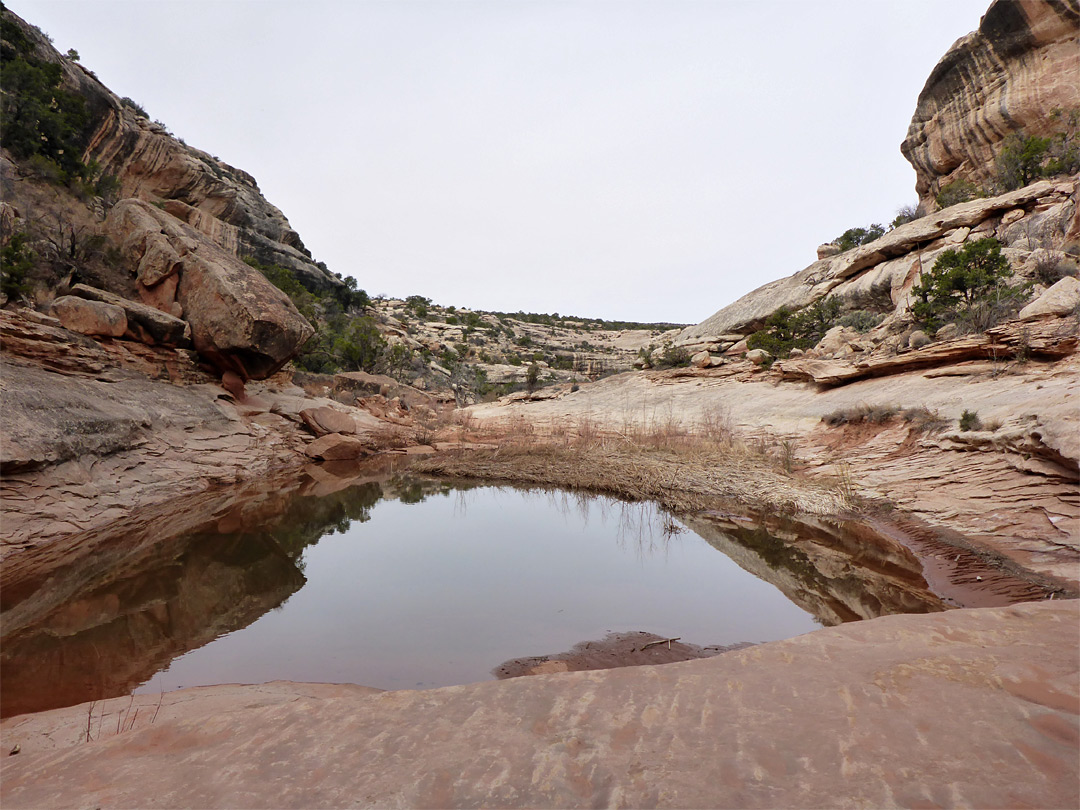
(609, 158)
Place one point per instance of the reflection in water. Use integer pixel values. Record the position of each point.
(408, 586)
(840, 571)
(97, 614)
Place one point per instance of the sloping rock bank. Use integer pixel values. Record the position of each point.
(1012, 489)
(95, 428)
(975, 708)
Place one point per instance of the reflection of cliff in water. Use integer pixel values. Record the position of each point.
(839, 571)
(94, 615)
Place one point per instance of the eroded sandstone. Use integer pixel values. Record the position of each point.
(974, 708)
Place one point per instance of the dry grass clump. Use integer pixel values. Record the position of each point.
(681, 467)
(924, 420)
(919, 419)
(872, 414)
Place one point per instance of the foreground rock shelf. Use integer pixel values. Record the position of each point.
(972, 708)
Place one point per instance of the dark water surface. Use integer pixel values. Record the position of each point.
(398, 582)
(440, 592)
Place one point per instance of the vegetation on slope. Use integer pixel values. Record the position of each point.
(1023, 159)
(968, 287)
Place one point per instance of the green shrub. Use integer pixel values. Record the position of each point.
(1064, 148)
(905, 214)
(969, 420)
(1020, 160)
(786, 330)
(958, 191)
(40, 117)
(359, 346)
(418, 304)
(672, 357)
(16, 262)
(532, 378)
(967, 286)
(134, 106)
(853, 237)
(860, 320)
(1025, 158)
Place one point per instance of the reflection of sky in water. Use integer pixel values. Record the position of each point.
(441, 592)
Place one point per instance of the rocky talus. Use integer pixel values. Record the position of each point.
(1009, 75)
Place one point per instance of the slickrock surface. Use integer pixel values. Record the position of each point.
(879, 275)
(1013, 490)
(975, 708)
(95, 429)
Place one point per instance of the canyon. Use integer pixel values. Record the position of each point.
(150, 386)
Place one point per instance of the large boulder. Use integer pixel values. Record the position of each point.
(1063, 298)
(144, 323)
(90, 317)
(239, 321)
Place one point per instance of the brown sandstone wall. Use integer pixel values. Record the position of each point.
(1022, 63)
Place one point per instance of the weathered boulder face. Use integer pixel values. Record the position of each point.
(1061, 299)
(239, 320)
(1020, 64)
(144, 322)
(90, 317)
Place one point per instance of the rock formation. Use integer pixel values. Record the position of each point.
(879, 275)
(216, 199)
(1020, 65)
(239, 320)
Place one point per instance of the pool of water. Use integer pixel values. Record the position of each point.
(397, 582)
(442, 590)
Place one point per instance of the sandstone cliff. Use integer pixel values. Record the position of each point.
(1021, 64)
(1013, 75)
(214, 198)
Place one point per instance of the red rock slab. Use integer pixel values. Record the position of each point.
(336, 447)
(967, 708)
(633, 649)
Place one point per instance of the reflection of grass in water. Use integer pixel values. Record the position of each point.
(309, 518)
(640, 524)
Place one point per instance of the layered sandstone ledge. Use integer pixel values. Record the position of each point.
(1007, 76)
(975, 708)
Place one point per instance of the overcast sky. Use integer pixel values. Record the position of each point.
(647, 161)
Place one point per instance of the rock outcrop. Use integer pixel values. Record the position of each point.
(239, 320)
(879, 275)
(216, 199)
(1009, 75)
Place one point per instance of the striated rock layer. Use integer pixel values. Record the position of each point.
(216, 199)
(974, 708)
(1021, 63)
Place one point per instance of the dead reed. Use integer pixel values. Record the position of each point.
(681, 467)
